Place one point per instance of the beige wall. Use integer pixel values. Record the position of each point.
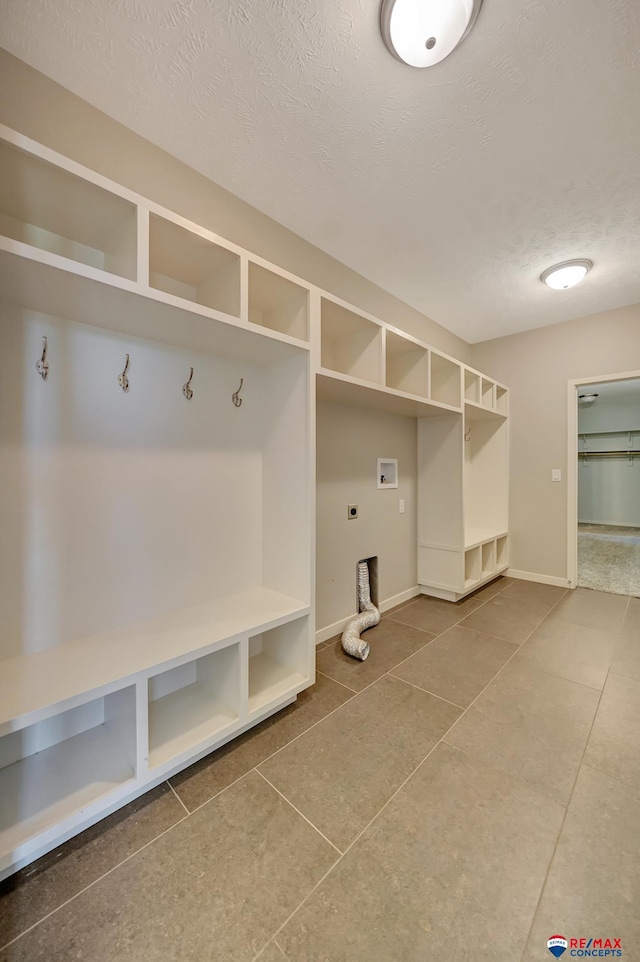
(536, 365)
(350, 440)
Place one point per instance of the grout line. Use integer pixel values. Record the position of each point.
(178, 797)
(341, 683)
(95, 882)
(400, 787)
(425, 690)
(297, 810)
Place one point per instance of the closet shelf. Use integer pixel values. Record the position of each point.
(332, 386)
(33, 686)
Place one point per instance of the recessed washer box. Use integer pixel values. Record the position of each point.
(387, 473)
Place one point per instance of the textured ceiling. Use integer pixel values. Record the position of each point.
(452, 188)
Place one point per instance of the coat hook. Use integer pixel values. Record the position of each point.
(123, 380)
(42, 366)
(235, 397)
(467, 436)
(186, 388)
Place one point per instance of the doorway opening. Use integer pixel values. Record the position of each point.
(604, 484)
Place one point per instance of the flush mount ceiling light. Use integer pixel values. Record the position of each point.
(421, 33)
(587, 398)
(563, 276)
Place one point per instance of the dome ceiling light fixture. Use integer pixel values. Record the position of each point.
(421, 33)
(562, 276)
(587, 398)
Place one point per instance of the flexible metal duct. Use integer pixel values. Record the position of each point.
(369, 616)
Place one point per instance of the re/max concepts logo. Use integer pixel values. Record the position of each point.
(585, 948)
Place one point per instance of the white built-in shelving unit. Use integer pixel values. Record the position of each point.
(157, 542)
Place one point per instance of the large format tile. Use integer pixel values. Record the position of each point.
(593, 885)
(30, 894)
(200, 782)
(613, 745)
(457, 665)
(571, 651)
(511, 620)
(271, 953)
(593, 609)
(548, 595)
(435, 615)
(451, 870)
(216, 887)
(390, 641)
(341, 773)
(531, 724)
(632, 614)
(626, 654)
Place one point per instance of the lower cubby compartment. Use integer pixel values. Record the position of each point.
(278, 664)
(488, 558)
(53, 771)
(472, 566)
(192, 704)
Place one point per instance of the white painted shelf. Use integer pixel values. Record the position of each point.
(38, 683)
(58, 786)
(269, 681)
(478, 536)
(183, 721)
(331, 386)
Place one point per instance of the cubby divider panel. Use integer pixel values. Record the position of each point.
(488, 392)
(192, 704)
(472, 566)
(502, 557)
(53, 770)
(51, 209)
(187, 265)
(278, 303)
(278, 664)
(488, 558)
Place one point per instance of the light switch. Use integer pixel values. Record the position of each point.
(556, 474)
(401, 506)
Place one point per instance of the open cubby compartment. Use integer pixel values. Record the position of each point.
(278, 303)
(279, 664)
(350, 343)
(193, 704)
(502, 555)
(407, 365)
(53, 771)
(488, 393)
(445, 380)
(471, 386)
(488, 558)
(472, 566)
(47, 207)
(184, 263)
(501, 399)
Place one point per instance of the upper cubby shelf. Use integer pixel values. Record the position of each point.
(484, 398)
(49, 208)
(350, 343)
(187, 265)
(407, 365)
(277, 303)
(446, 383)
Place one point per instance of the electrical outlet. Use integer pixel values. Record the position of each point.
(401, 506)
(352, 511)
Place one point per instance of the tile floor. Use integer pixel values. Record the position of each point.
(469, 791)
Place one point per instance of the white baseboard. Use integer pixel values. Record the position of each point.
(534, 576)
(323, 634)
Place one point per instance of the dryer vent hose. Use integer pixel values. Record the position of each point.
(369, 616)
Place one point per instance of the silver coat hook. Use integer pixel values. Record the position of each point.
(123, 380)
(186, 388)
(42, 366)
(467, 436)
(235, 397)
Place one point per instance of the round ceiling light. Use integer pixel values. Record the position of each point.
(563, 276)
(421, 33)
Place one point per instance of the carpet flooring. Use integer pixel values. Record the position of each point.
(609, 559)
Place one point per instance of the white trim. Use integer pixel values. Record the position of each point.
(572, 464)
(323, 634)
(541, 579)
